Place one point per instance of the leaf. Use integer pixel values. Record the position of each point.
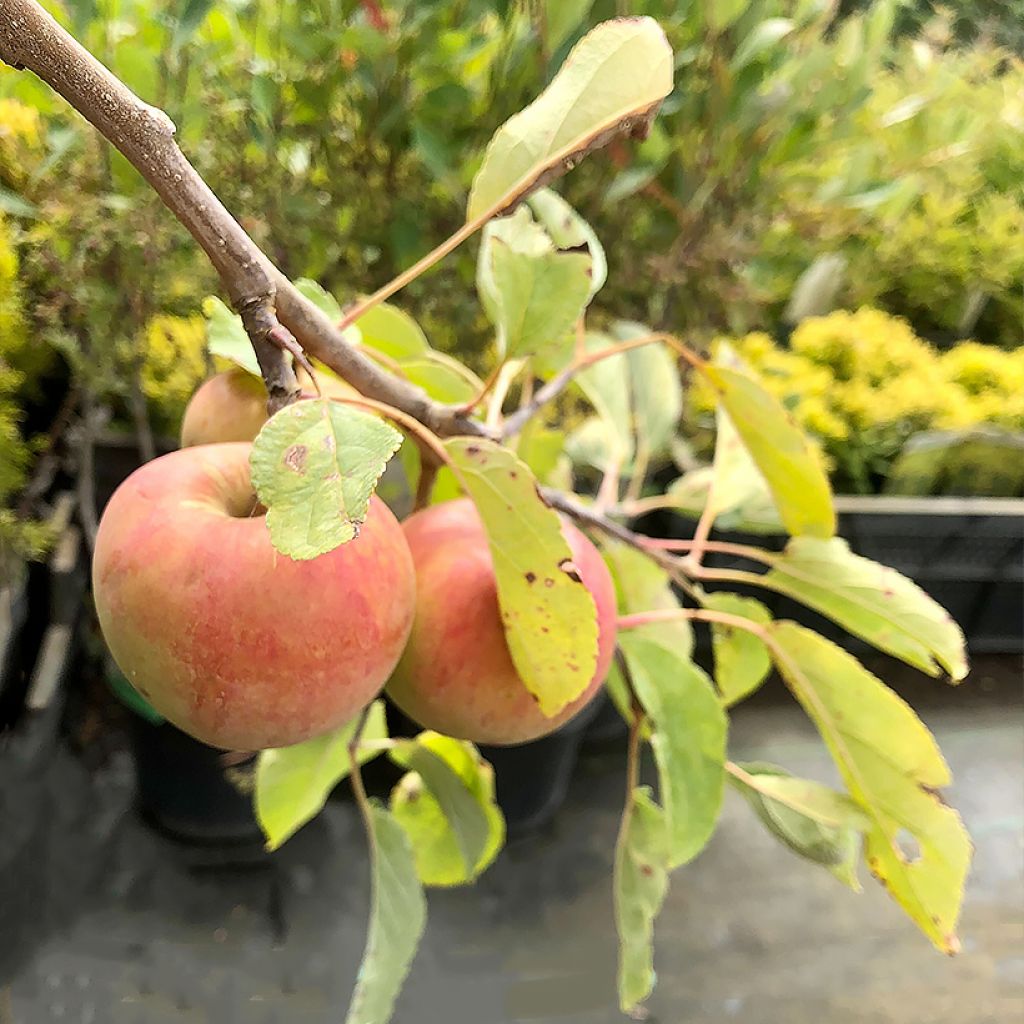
(688, 738)
(871, 601)
(226, 337)
(656, 394)
(532, 293)
(762, 38)
(549, 616)
(392, 331)
(741, 661)
(568, 230)
(790, 465)
(892, 769)
(562, 18)
(443, 378)
(641, 882)
(612, 82)
(722, 13)
(691, 492)
(191, 17)
(398, 915)
(315, 465)
(323, 300)
(293, 783)
(813, 821)
(446, 806)
(606, 386)
(737, 483)
(542, 449)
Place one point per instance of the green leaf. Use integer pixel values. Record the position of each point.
(722, 13)
(549, 616)
(398, 915)
(688, 738)
(742, 662)
(532, 293)
(737, 483)
(871, 601)
(562, 18)
(323, 300)
(813, 821)
(761, 39)
(293, 783)
(192, 15)
(443, 378)
(314, 466)
(568, 230)
(692, 491)
(784, 456)
(640, 882)
(656, 394)
(226, 337)
(892, 769)
(612, 82)
(446, 805)
(542, 449)
(392, 331)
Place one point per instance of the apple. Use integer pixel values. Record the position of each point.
(233, 642)
(456, 675)
(232, 405)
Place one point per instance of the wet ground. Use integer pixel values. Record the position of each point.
(114, 925)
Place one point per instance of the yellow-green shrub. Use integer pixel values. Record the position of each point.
(172, 354)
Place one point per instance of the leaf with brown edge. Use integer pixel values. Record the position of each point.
(893, 770)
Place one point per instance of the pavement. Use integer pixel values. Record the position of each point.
(113, 924)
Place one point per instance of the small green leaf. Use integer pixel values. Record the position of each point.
(542, 449)
(784, 456)
(871, 601)
(443, 378)
(293, 783)
(392, 331)
(398, 916)
(641, 882)
(742, 662)
(656, 394)
(688, 737)
(314, 466)
(892, 769)
(226, 337)
(813, 821)
(612, 82)
(761, 39)
(568, 230)
(549, 616)
(446, 805)
(323, 300)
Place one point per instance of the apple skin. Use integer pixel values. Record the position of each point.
(456, 675)
(236, 644)
(232, 405)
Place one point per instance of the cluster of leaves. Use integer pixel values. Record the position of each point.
(862, 384)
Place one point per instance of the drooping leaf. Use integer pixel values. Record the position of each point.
(392, 331)
(784, 456)
(892, 769)
(655, 391)
(398, 915)
(226, 337)
(314, 466)
(446, 805)
(568, 230)
(549, 616)
(641, 882)
(611, 82)
(443, 378)
(742, 662)
(688, 737)
(871, 601)
(813, 821)
(293, 783)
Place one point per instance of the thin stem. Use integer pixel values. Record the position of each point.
(506, 375)
(714, 546)
(694, 614)
(357, 776)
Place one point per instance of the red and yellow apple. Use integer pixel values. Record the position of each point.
(456, 675)
(234, 643)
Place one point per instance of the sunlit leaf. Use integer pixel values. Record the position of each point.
(568, 230)
(320, 298)
(293, 783)
(549, 616)
(611, 83)
(691, 492)
(688, 737)
(655, 391)
(892, 769)
(314, 466)
(446, 805)
(443, 378)
(226, 337)
(741, 661)
(398, 915)
(392, 331)
(641, 882)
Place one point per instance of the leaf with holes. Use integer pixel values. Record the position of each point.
(741, 660)
(398, 916)
(226, 337)
(568, 230)
(293, 783)
(893, 770)
(314, 466)
(640, 883)
(871, 601)
(446, 805)
(611, 83)
(549, 616)
(688, 737)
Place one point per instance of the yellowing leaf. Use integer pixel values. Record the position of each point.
(871, 601)
(314, 466)
(549, 616)
(612, 82)
(741, 660)
(784, 456)
(892, 769)
(293, 783)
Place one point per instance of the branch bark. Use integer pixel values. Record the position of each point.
(277, 318)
